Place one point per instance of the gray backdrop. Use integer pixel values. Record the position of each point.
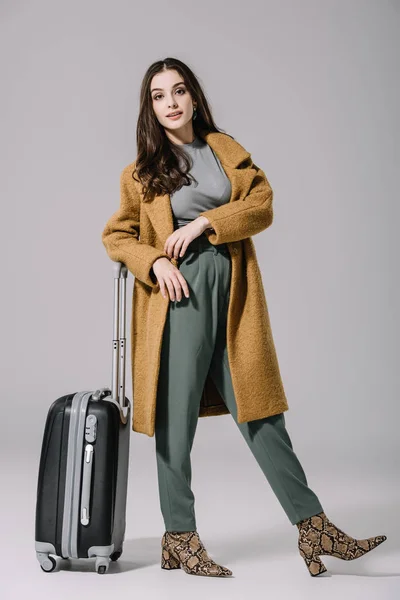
(311, 89)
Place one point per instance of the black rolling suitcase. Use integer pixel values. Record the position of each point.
(83, 471)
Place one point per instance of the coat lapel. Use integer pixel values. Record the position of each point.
(230, 153)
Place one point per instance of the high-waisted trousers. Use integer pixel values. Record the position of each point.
(193, 345)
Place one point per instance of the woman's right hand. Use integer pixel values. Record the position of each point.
(169, 277)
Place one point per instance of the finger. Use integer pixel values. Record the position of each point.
(184, 247)
(163, 289)
(167, 248)
(184, 284)
(169, 245)
(171, 289)
(177, 248)
(177, 286)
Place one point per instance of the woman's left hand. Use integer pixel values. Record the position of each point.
(177, 243)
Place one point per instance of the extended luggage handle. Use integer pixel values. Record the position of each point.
(119, 333)
(120, 273)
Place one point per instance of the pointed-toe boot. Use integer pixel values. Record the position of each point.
(318, 536)
(185, 549)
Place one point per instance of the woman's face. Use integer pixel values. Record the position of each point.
(169, 94)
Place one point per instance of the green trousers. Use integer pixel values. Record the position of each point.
(194, 343)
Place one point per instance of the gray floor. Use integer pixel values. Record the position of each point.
(239, 520)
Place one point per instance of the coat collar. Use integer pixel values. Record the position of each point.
(230, 153)
(228, 150)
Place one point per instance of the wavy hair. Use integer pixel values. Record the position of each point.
(162, 167)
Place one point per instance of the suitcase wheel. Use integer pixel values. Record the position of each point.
(102, 563)
(48, 565)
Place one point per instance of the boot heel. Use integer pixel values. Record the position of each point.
(314, 564)
(168, 560)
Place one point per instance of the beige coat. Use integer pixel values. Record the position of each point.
(136, 234)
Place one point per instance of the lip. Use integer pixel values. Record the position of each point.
(176, 116)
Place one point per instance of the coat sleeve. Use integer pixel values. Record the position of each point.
(244, 218)
(121, 234)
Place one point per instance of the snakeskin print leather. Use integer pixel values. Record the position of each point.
(318, 536)
(186, 550)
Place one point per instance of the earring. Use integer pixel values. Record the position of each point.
(194, 112)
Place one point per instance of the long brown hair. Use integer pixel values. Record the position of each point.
(162, 167)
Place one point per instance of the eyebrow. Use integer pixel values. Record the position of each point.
(161, 89)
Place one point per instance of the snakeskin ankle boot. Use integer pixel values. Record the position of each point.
(318, 536)
(185, 549)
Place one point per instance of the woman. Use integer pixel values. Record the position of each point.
(201, 338)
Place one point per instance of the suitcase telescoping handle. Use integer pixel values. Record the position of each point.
(117, 392)
(119, 333)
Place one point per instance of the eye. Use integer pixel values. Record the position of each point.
(178, 90)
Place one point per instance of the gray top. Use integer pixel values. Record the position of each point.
(211, 188)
